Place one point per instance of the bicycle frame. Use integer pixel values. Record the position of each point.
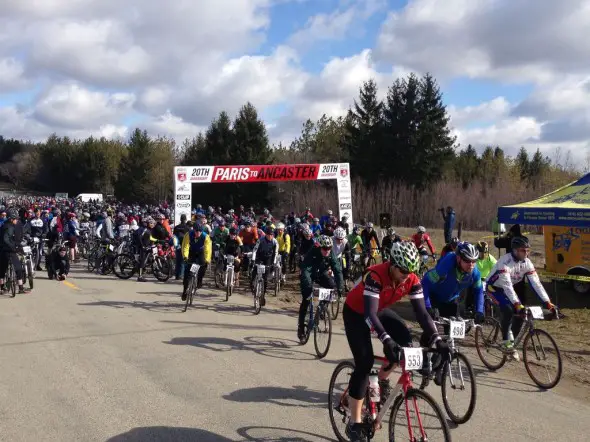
(229, 270)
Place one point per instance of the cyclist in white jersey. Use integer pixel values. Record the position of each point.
(341, 248)
(509, 270)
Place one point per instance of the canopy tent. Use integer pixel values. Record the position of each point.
(568, 206)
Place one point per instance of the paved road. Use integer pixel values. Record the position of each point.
(111, 360)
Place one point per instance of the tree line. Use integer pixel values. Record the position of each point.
(400, 149)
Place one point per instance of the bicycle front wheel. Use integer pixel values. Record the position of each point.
(257, 295)
(424, 421)
(322, 331)
(487, 344)
(30, 274)
(335, 307)
(542, 359)
(189, 294)
(459, 381)
(338, 399)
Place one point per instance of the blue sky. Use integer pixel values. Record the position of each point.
(101, 68)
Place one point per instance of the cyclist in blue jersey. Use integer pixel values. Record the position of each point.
(455, 272)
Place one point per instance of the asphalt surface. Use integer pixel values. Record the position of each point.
(100, 359)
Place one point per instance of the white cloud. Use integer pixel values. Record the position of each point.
(11, 75)
(71, 106)
(488, 111)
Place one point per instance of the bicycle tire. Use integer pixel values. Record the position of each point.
(335, 307)
(414, 393)
(30, 277)
(92, 260)
(306, 327)
(189, 294)
(228, 286)
(326, 314)
(277, 284)
(12, 281)
(257, 304)
(117, 266)
(446, 384)
(549, 385)
(481, 345)
(332, 406)
(160, 269)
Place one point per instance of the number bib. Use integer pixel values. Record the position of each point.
(457, 329)
(412, 358)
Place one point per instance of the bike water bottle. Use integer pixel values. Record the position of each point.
(374, 392)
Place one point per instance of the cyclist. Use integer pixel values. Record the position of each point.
(388, 242)
(196, 249)
(265, 252)
(368, 236)
(9, 245)
(307, 242)
(366, 308)
(233, 246)
(421, 240)
(450, 247)
(342, 250)
(315, 268)
(284, 241)
(508, 271)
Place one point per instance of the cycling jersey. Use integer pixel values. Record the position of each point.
(284, 241)
(369, 236)
(421, 240)
(444, 283)
(249, 238)
(486, 265)
(508, 271)
(265, 251)
(220, 236)
(376, 291)
(339, 248)
(233, 246)
(196, 243)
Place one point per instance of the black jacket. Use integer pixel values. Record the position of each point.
(7, 238)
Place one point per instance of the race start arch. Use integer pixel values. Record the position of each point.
(185, 176)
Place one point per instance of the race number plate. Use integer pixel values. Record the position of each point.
(35, 239)
(194, 268)
(412, 358)
(111, 247)
(537, 312)
(325, 294)
(457, 329)
(26, 249)
(261, 268)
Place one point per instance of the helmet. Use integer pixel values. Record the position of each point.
(306, 230)
(339, 233)
(330, 212)
(12, 214)
(297, 220)
(467, 251)
(317, 220)
(233, 231)
(369, 225)
(482, 247)
(391, 231)
(150, 220)
(325, 242)
(269, 230)
(454, 241)
(520, 242)
(280, 226)
(421, 229)
(404, 255)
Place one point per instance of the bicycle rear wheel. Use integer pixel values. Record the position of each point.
(335, 307)
(257, 295)
(12, 273)
(544, 356)
(487, 344)
(322, 331)
(124, 266)
(30, 274)
(338, 399)
(425, 421)
(460, 371)
(306, 325)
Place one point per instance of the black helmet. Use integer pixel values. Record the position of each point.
(233, 231)
(454, 241)
(519, 242)
(12, 214)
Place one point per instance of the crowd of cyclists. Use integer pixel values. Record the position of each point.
(317, 250)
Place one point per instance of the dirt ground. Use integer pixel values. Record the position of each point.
(572, 333)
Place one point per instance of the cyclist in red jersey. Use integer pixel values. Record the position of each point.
(421, 240)
(366, 308)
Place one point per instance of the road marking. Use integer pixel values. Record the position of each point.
(70, 285)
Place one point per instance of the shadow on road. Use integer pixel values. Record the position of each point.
(265, 346)
(275, 434)
(487, 378)
(157, 306)
(168, 434)
(298, 396)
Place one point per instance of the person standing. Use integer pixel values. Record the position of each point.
(449, 219)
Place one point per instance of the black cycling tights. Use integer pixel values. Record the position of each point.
(359, 340)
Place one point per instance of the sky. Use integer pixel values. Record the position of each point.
(513, 72)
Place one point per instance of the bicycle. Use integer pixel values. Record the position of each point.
(191, 289)
(277, 274)
(314, 315)
(228, 276)
(458, 328)
(26, 259)
(11, 282)
(259, 287)
(423, 265)
(486, 342)
(403, 394)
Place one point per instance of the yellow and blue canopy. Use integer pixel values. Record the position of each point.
(566, 206)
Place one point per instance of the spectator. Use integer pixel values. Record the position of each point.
(449, 219)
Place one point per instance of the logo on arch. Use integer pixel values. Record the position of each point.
(181, 175)
(343, 172)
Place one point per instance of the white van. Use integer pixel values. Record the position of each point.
(85, 197)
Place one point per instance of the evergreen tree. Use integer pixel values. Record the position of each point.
(134, 178)
(522, 162)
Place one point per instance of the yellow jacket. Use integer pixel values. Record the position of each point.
(284, 241)
(207, 247)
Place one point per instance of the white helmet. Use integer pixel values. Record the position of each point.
(421, 229)
(280, 226)
(339, 233)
